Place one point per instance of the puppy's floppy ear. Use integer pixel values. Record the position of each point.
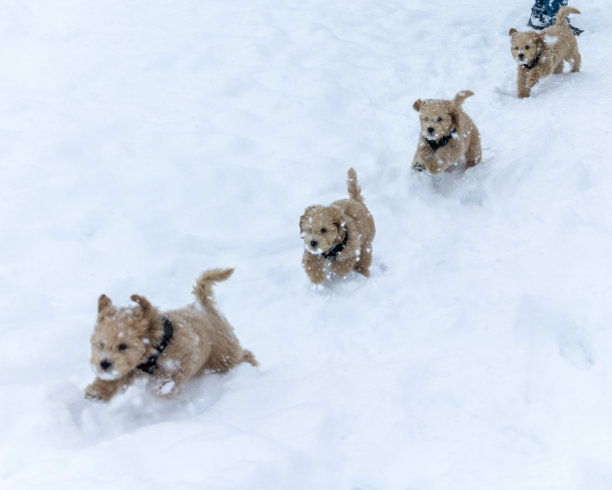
(337, 217)
(540, 40)
(461, 96)
(304, 217)
(147, 317)
(417, 105)
(142, 302)
(103, 302)
(512, 32)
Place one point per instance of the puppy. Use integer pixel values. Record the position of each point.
(448, 136)
(338, 238)
(539, 54)
(167, 348)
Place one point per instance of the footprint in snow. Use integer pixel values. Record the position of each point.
(575, 350)
(350, 283)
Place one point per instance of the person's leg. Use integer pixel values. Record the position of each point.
(553, 7)
(539, 13)
(543, 14)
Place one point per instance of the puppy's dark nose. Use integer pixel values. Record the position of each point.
(521, 56)
(313, 243)
(105, 364)
(430, 130)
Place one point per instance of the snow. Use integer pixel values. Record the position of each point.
(143, 142)
(551, 40)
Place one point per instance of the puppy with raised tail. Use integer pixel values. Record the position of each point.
(540, 54)
(338, 238)
(448, 137)
(167, 348)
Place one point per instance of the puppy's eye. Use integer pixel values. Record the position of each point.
(426, 119)
(526, 47)
(438, 119)
(323, 230)
(122, 346)
(102, 345)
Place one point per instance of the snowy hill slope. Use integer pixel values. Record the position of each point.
(142, 142)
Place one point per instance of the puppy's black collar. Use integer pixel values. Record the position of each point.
(150, 365)
(437, 144)
(336, 249)
(534, 63)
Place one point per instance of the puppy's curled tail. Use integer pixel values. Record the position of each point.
(203, 286)
(353, 187)
(562, 13)
(461, 96)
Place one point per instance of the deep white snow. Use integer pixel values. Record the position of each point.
(142, 142)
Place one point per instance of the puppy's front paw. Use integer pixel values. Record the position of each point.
(165, 388)
(92, 394)
(101, 390)
(524, 92)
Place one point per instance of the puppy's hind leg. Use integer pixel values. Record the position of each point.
(365, 260)
(248, 356)
(473, 155)
(575, 61)
(342, 267)
(229, 356)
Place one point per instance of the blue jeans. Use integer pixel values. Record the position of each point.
(545, 10)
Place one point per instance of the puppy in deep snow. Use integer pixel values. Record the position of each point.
(167, 348)
(338, 238)
(540, 54)
(448, 136)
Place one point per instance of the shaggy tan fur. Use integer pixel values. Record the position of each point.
(448, 137)
(325, 228)
(539, 54)
(124, 338)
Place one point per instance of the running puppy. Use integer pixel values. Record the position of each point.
(167, 348)
(338, 238)
(448, 136)
(539, 54)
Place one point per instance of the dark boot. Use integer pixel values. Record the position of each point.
(538, 19)
(576, 30)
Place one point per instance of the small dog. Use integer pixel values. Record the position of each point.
(539, 54)
(338, 238)
(168, 348)
(448, 136)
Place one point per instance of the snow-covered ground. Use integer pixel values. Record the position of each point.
(142, 142)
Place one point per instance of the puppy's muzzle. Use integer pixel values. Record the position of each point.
(313, 243)
(430, 130)
(105, 364)
(521, 56)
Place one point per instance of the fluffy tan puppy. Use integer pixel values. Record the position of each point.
(448, 136)
(539, 54)
(167, 348)
(338, 238)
